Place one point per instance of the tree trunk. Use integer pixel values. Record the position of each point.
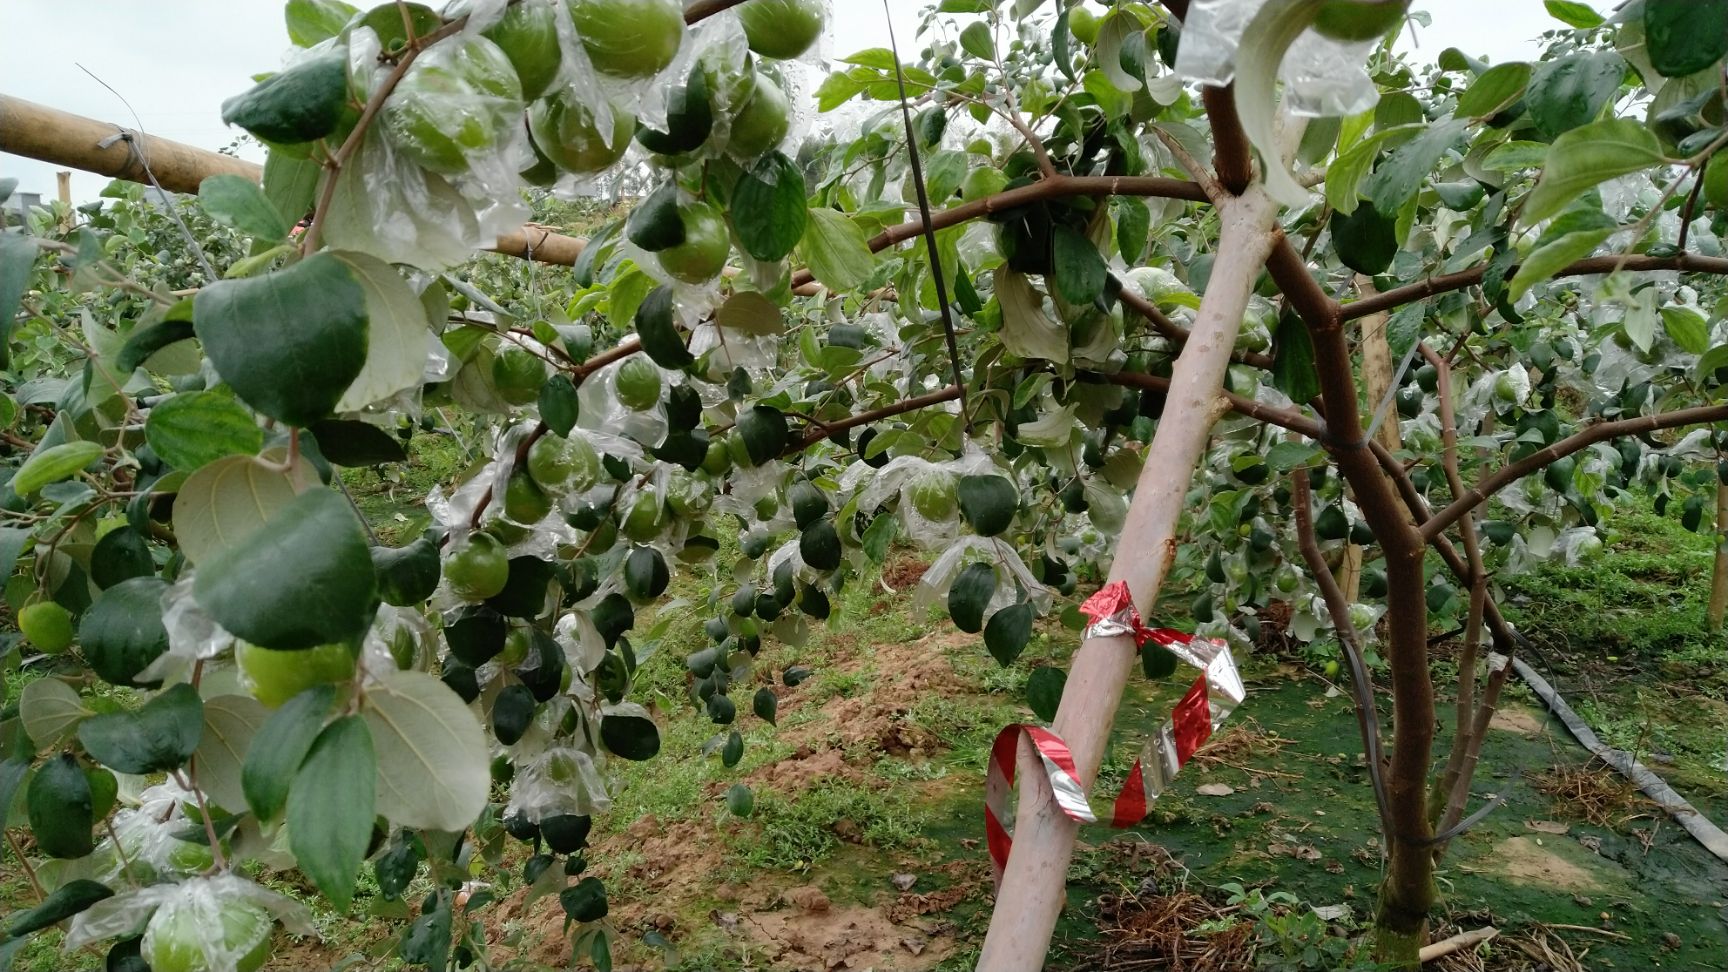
(1719, 576)
(1034, 885)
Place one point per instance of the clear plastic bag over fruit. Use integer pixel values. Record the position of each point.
(184, 918)
(559, 781)
(192, 634)
(436, 179)
(1012, 575)
(1321, 76)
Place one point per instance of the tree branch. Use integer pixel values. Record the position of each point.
(816, 433)
(1448, 282)
(1230, 153)
(1599, 432)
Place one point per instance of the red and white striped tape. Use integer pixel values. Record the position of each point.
(1207, 703)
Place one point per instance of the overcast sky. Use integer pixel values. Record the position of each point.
(176, 62)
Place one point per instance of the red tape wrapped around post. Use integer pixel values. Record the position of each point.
(1208, 702)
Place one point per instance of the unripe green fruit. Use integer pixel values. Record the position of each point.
(478, 569)
(763, 121)
(638, 384)
(517, 375)
(528, 36)
(629, 38)
(1083, 25)
(566, 131)
(450, 108)
(781, 28)
(524, 502)
(707, 244)
(273, 677)
(46, 625)
(175, 939)
(1358, 20)
(551, 463)
(935, 496)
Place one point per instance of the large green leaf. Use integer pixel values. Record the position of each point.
(433, 765)
(657, 329)
(835, 250)
(231, 722)
(193, 429)
(1027, 330)
(54, 464)
(237, 202)
(17, 255)
(278, 749)
(1684, 37)
(1569, 92)
(304, 579)
(397, 338)
(1293, 361)
(768, 208)
(1687, 328)
(629, 732)
(1584, 157)
(50, 709)
(289, 342)
(1076, 269)
(353, 443)
(1573, 14)
(331, 806)
(1008, 631)
(312, 21)
(67, 900)
(1556, 251)
(1395, 180)
(222, 503)
(1366, 240)
(121, 633)
(1497, 88)
(120, 555)
(60, 809)
(969, 595)
(160, 735)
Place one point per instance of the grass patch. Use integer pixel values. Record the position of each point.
(798, 833)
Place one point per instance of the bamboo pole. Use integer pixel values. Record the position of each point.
(62, 138)
(1719, 572)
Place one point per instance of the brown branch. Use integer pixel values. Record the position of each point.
(819, 431)
(1448, 282)
(1337, 605)
(1229, 142)
(703, 9)
(1687, 209)
(1601, 431)
(1271, 415)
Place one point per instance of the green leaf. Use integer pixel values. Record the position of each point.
(586, 901)
(1570, 92)
(1573, 14)
(1026, 329)
(353, 443)
(231, 723)
(312, 21)
(976, 41)
(654, 224)
(1293, 361)
(290, 342)
(50, 709)
(1687, 328)
(1007, 632)
(433, 764)
(1044, 691)
(748, 312)
(740, 800)
(1585, 157)
(59, 808)
(121, 633)
(304, 579)
(1684, 37)
(1397, 179)
(146, 341)
(225, 501)
(768, 207)
(1344, 176)
(280, 747)
(160, 735)
(1404, 329)
(658, 331)
(558, 404)
(970, 595)
(629, 733)
(1495, 90)
(330, 808)
(17, 256)
(1285, 456)
(301, 104)
(1133, 227)
(397, 338)
(193, 429)
(1076, 268)
(237, 202)
(67, 900)
(54, 464)
(1366, 240)
(120, 555)
(12, 540)
(1551, 257)
(835, 250)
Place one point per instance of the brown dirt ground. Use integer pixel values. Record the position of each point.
(1516, 719)
(1525, 861)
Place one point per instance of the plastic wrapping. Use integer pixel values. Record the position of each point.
(1321, 76)
(192, 634)
(600, 408)
(202, 903)
(399, 639)
(1013, 575)
(561, 780)
(387, 204)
